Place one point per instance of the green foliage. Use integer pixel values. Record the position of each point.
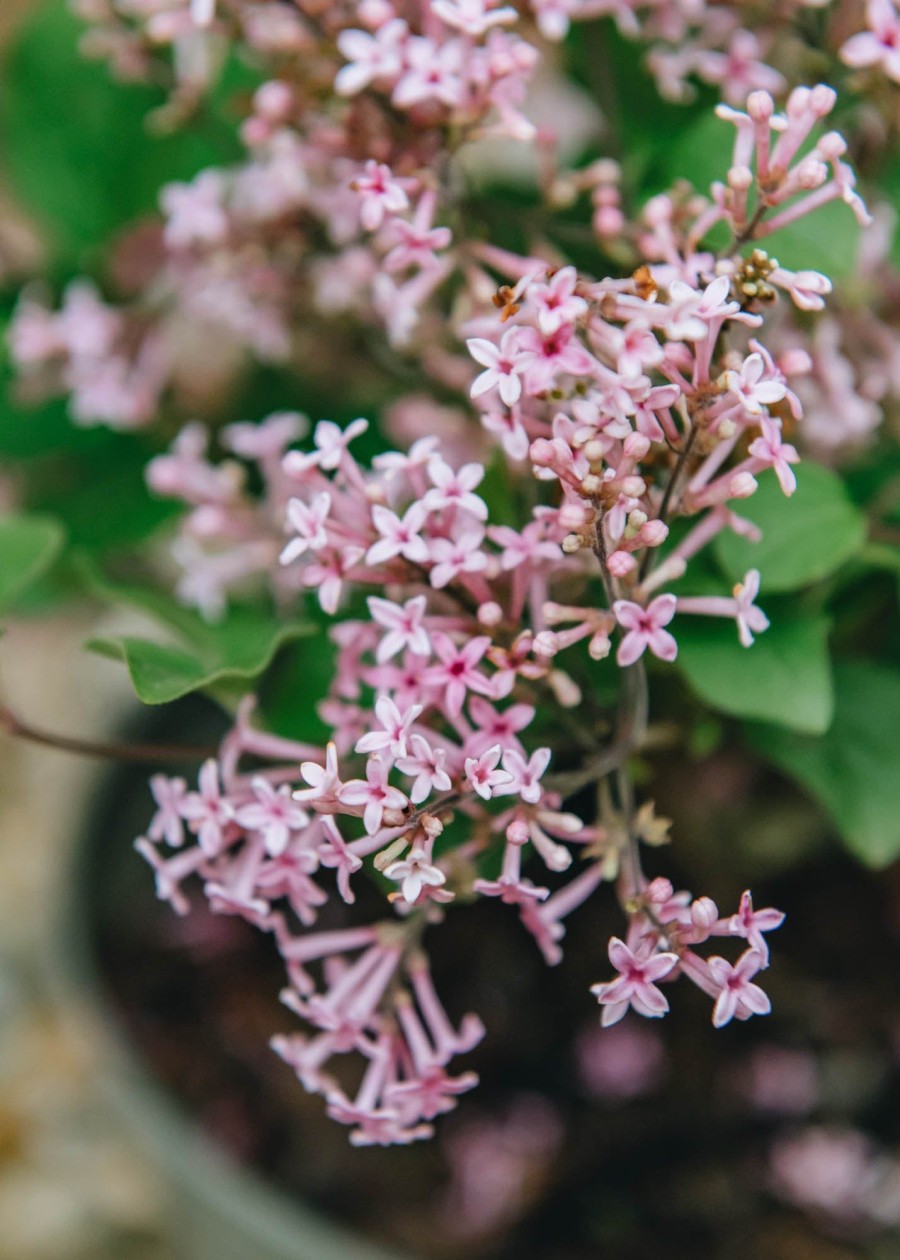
(291, 691)
(805, 537)
(852, 770)
(29, 544)
(222, 655)
(76, 146)
(785, 677)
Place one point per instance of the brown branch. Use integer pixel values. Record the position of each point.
(15, 727)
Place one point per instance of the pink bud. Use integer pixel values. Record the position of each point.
(742, 485)
(621, 563)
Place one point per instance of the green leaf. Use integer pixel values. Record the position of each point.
(75, 143)
(852, 770)
(236, 651)
(826, 240)
(28, 547)
(224, 654)
(805, 537)
(785, 677)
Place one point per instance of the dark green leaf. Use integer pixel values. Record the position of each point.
(805, 537)
(237, 651)
(784, 677)
(852, 770)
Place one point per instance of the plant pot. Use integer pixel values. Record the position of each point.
(216, 1209)
(678, 1166)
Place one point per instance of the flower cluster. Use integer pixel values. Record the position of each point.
(625, 415)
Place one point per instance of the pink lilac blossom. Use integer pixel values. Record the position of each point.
(612, 407)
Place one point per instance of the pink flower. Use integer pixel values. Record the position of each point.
(456, 671)
(169, 795)
(370, 57)
(398, 537)
(737, 995)
(635, 985)
(454, 489)
(415, 873)
(324, 784)
(453, 556)
(208, 811)
(507, 426)
(404, 627)
(331, 443)
(556, 301)
(395, 729)
(427, 765)
(380, 195)
(504, 365)
(474, 17)
(770, 452)
(750, 619)
(483, 774)
(374, 793)
(645, 629)
(194, 211)
(308, 520)
(432, 73)
(692, 313)
(334, 854)
(525, 776)
(328, 573)
(751, 924)
(529, 545)
(751, 387)
(274, 814)
(880, 44)
(495, 727)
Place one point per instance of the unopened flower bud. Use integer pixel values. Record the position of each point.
(740, 178)
(546, 643)
(659, 891)
(704, 915)
(575, 516)
(636, 446)
(517, 831)
(621, 563)
(599, 647)
(390, 854)
(572, 543)
(654, 533)
(795, 362)
(565, 689)
(742, 485)
(760, 106)
(273, 100)
(490, 614)
(822, 99)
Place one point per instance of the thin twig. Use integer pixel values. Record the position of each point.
(14, 726)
